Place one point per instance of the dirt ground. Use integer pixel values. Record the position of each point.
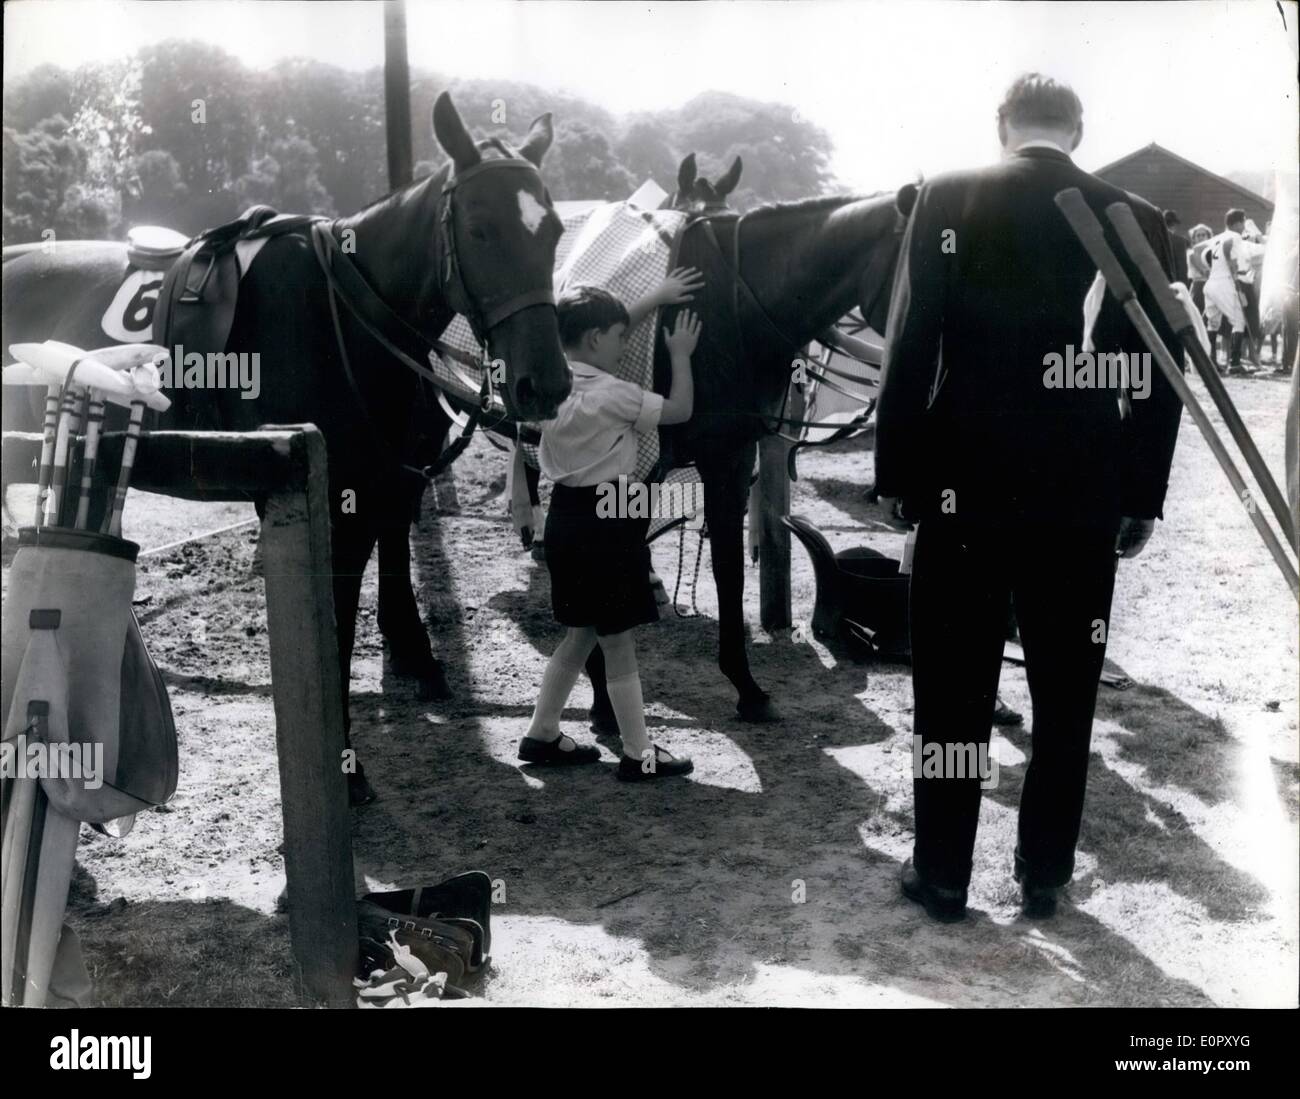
(769, 877)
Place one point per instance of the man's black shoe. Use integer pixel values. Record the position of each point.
(944, 905)
(1039, 901)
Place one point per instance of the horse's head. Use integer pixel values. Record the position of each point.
(874, 289)
(496, 256)
(697, 195)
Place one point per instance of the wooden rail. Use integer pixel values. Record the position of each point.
(287, 466)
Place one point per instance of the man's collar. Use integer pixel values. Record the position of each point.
(1040, 143)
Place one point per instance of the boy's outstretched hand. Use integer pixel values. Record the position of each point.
(684, 336)
(679, 287)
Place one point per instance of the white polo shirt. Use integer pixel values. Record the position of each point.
(592, 438)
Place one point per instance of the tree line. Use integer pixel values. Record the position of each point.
(183, 134)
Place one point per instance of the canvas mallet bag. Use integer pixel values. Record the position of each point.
(76, 683)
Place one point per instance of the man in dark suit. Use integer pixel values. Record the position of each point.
(1020, 488)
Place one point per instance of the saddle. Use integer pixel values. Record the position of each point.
(199, 294)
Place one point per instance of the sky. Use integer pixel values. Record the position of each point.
(902, 88)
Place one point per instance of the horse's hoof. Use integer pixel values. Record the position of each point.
(360, 792)
(603, 724)
(434, 686)
(411, 662)
(758, 710)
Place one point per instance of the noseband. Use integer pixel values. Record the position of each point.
(483, 316)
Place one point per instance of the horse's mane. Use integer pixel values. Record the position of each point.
(813, 204)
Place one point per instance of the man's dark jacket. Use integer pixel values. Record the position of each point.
(991, 280)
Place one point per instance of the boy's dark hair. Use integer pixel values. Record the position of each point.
(1038, 100)
(583, 308)
(1172, 220)
(1234, 217)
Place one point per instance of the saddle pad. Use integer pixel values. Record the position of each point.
(129, 316)
(627, 251)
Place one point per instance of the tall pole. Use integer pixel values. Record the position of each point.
(397, 95)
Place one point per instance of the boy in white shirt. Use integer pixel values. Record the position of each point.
(600, 566)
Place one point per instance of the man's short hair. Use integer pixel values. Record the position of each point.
(1232, 217)
(583, 308)
(1172, 220)
(1038, 100)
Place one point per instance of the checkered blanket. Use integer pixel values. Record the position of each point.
(626, 251)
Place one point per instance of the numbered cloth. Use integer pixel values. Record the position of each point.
(76, 672)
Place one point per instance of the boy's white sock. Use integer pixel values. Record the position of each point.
(629, 709)
(557, 685)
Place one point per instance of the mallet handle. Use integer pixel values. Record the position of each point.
(50, 430)
(1140, 252)
(124, 475)
(1089, 231)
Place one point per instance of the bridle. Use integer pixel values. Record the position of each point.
(399, 338)
(486, 314)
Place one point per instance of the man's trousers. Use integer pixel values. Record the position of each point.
(963, 576)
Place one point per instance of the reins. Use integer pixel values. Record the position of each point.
(344, 281)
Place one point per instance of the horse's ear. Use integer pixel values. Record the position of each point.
(540, 135)
(686, 176)
(906, 199)
(728, 182)
(451, 134)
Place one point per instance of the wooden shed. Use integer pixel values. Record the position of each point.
(1168, 181)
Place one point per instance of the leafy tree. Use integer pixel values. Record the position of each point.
(39, 167)
(160, 196)
(647, 152)
(287, 178)
(43, 93)
(581, 165)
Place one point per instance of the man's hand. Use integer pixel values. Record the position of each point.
(1133, 536)
(682, 339)
(679, 287)
(891, 512)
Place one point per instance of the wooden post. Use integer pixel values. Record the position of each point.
(397, 95)
(309, 727)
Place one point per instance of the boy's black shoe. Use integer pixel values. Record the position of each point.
(665, 766)
(548, 753)
(944, 905)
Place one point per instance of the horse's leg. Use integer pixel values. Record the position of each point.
(603, 721)
(726, 486)
(353, 541)
(399, 614)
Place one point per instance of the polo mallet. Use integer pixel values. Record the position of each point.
(94, 421)
(59, 473)
(1135, 243)
(1093, 238)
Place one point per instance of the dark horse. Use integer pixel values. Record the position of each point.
(774, 279)
(495, 266)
